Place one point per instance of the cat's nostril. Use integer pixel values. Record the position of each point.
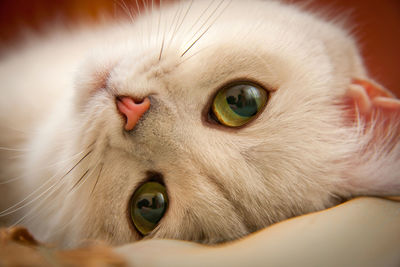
(139, 101)
(132, 109)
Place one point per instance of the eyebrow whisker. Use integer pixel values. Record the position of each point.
(212, 23)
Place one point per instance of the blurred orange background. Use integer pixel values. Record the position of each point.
(377, 25)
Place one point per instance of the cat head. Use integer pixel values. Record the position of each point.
(292, 156)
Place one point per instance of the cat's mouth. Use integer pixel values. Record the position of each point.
(148, 204)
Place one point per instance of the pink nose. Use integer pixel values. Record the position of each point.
(132, 110)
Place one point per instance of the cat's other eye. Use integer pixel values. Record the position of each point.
(238, 104)
(148, 206)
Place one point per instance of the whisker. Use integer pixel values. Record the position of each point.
(164, 32)
(79, 180)
(35, 209)
(115, 9)
(81, 209)
(14, 149)
(194, 54)
(159, 23)
(198, 19)
(32, 200)
(126, 9)
(175, 21)
(97, 180)
(33, 213)
(11, 180)
(144, 2)
(162, 48)
(150, 21)
(176, 30)
(209, 17)
(46, 167)
(19, 131)
(28, 214)
(138, 8)
(87, 154)
(192, 44)
(65, 225)
(13, 208)
(212, 23)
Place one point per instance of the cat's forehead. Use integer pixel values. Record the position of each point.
(226, 38)
(207, 44)
(220, 62)
(189, 23)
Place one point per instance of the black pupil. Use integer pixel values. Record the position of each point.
(151, 207)
(242, 100)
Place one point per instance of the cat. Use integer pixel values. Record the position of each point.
(228, 116)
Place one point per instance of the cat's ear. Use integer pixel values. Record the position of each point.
(375, 114)
(367, 98)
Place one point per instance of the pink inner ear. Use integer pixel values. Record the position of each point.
(368, 96)
(375, 113)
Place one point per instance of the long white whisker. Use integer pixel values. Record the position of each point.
(65, 225)
(12, 180)
(159, 23)
(59, 229)
(144, 2)
(212, 23)
(8, 124)
(149, 12)
(206, 21)
(138, 13)
(126, 9)
(163, 40)
(42, 200)
(13, 208)
(194, 54)
(179, 25)
(14, 149)
(138, 8)
(198, 19)
(32, 200)
(62, 162)
(175, 22)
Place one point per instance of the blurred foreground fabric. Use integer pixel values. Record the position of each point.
(361, 232)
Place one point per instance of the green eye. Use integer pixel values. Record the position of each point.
(236, 105)
(148, 206)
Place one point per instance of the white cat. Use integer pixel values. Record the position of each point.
(228, 115)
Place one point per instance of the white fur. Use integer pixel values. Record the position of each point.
(298, 156)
